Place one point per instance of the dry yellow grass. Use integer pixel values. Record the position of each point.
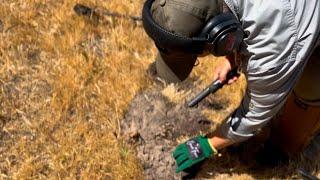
(65, 83)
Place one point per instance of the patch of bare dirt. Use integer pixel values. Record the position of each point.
(154, 124)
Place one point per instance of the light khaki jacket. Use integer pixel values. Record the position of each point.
(281, 35)
(277, 30)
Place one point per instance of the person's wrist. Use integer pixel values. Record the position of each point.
(215, 151)
(208, 148)
(232, 60)
(218, 140)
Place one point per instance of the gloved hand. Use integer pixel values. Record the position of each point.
(192, 152)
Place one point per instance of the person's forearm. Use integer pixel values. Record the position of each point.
(218, 141)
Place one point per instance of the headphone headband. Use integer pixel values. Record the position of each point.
(221, 35)
(166, 39)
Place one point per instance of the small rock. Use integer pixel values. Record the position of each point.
(34, 24)
(210, 173)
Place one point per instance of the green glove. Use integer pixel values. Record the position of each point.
(192, 152)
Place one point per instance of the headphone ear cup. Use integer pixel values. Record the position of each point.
(224, 34)
(207, 28)
(227, 42)
(215, 21)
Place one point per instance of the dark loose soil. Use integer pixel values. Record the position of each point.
(153, 125)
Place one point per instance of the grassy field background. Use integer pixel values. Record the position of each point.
(65, 84)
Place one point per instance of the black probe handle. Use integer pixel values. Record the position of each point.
(212, 88)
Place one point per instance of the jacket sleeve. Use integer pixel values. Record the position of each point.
(281, 36)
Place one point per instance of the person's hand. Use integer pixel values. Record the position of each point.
(192, 152)
(225, 65)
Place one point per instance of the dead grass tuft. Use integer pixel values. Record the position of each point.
(175, 95)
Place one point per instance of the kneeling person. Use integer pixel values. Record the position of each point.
(274, 38)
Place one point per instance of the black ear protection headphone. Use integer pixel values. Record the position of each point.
(221, 35)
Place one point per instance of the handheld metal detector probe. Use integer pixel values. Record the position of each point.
(212, 88)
